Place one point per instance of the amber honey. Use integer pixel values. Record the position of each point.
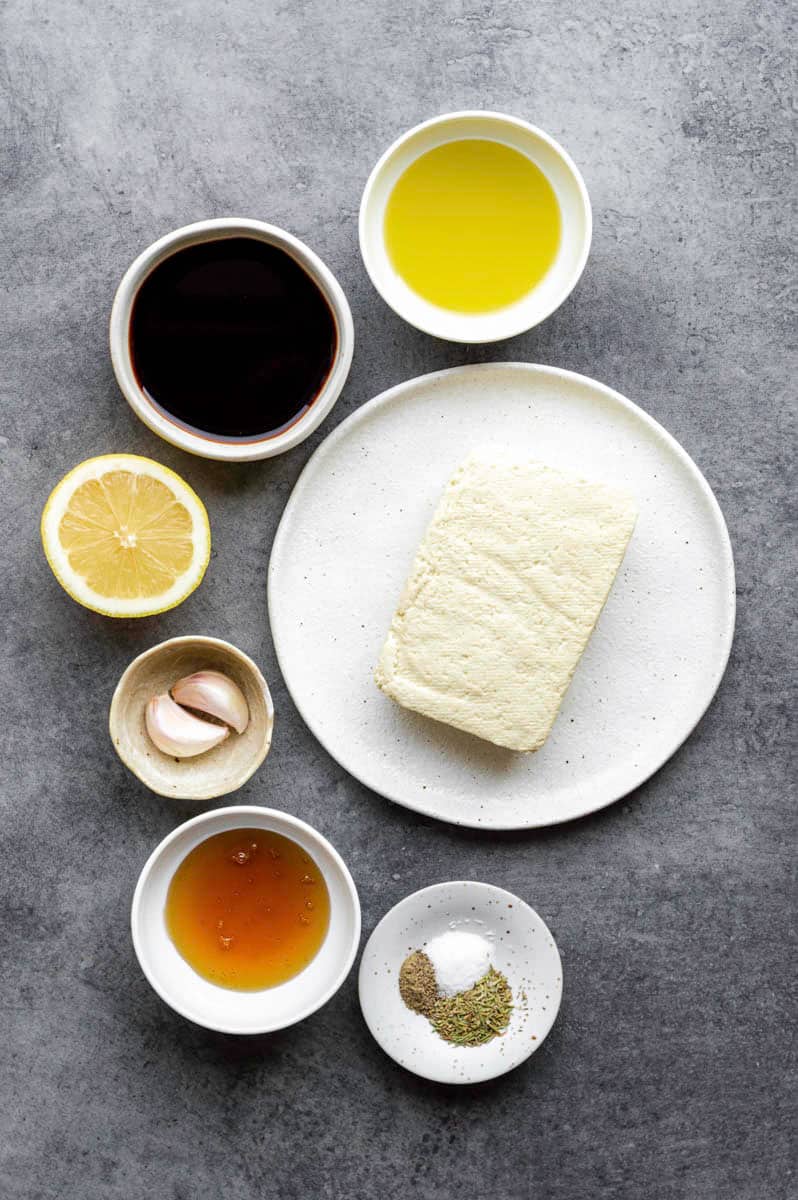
(248, 909)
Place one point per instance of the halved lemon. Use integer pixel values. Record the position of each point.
(126, 536)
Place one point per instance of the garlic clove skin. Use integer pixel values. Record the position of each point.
(213, 693)
(177, 732)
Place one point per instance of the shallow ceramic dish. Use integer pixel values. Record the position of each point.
(220, 1008)
(205, 444)
(559, 281)
(350, 532)
(523, 950)
(216, 772)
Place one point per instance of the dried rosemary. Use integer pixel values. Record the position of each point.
(417, 985)
(476, 1016)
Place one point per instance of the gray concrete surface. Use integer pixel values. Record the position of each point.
(669, 1073)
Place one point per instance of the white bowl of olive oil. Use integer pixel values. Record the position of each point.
(475, 226)
(245, 920)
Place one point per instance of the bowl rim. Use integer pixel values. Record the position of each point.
(282, 821)
(114, 717)
(205, 445)
(472, 335)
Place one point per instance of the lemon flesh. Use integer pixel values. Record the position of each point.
(126, 536)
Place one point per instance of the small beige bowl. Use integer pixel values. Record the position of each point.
(216, 772)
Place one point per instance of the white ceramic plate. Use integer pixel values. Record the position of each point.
(344, 549)
(523, 950)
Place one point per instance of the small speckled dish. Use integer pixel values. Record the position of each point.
(216, 772)
(523, 950)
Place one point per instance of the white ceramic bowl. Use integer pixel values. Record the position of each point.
(206, 445)
(523, 950)
(221, 1008)
(542, 300)
(207, 776)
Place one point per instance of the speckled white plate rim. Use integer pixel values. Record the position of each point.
(493, 1061)
(396, 393)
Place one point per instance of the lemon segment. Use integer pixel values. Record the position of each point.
(126, 536)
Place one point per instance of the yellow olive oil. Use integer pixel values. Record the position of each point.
(472, 225)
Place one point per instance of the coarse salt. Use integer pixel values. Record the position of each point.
(459, 960)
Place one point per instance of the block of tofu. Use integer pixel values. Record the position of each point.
(504, 593)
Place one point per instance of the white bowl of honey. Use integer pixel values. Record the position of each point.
(245, 920)
(475, 226)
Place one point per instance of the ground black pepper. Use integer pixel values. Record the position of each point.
(417, 984)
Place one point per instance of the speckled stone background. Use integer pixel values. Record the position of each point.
(669, 1072)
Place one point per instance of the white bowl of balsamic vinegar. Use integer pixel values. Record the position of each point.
(231, 339)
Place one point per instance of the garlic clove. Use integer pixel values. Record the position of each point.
(179, 733)
(213, 693)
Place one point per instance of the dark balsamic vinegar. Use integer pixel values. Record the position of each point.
(232, 338)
